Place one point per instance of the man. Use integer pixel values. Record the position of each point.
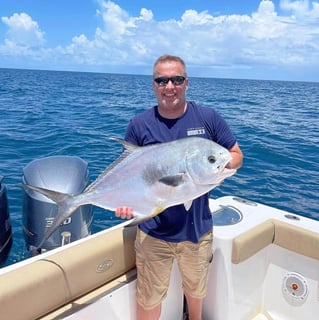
(175, 233)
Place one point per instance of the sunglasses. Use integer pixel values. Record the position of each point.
(176, 80)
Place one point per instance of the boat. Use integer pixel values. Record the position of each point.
(265, 266)
(5, 224)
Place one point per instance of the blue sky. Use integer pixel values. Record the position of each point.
(254, 39)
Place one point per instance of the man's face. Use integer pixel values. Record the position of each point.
(170, 95)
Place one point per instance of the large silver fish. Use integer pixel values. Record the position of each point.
(149, 179)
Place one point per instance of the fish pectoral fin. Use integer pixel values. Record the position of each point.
(174, 180)
(188, 204)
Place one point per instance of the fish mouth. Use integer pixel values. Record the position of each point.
(226, 172)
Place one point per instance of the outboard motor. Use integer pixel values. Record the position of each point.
(5, 225)
(66, 174)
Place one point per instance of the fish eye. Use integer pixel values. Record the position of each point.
(211, 159)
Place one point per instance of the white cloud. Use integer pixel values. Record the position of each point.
(117, 22)
(192, 17)
(302, 8)
(23, 31)
(262, 39)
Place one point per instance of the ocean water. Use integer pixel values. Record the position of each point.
(45, 113)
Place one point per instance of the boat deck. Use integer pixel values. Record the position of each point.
(265, 267)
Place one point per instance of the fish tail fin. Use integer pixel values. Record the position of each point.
(65, 203)
(55, 196)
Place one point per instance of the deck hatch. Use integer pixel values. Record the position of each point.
(226, 215)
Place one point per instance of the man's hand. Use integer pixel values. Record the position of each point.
(124, 212)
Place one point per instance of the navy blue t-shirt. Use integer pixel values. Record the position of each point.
(175, 224)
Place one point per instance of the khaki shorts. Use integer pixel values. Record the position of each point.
(154, 260)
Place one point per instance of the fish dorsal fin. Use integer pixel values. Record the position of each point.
(128, 149)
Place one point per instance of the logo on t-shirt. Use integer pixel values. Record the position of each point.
(195, 131)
